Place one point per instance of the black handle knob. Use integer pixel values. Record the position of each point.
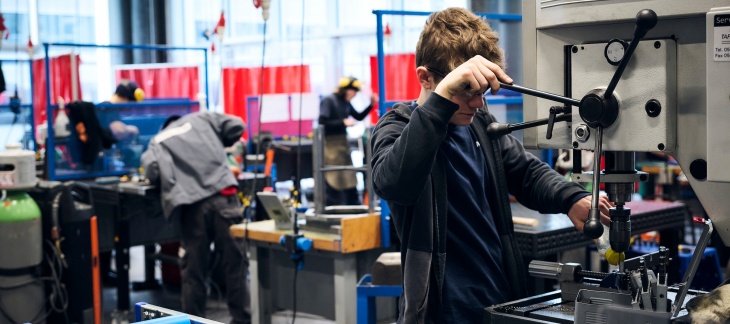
(593, 228)
(645, 20)
(554, 111)
(496, 130)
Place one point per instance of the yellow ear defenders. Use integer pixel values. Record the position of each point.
(350, 83)
(138, 94)
(130, 90)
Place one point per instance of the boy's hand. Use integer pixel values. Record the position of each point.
(578, 213)
(474, 76)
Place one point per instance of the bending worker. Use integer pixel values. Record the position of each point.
(334, 113)
(187, 159)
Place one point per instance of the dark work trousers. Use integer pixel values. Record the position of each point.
(202, 223)
(341, 197)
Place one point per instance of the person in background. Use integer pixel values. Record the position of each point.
(110, 118)
(334, 113)
(447, 182)
(127, 91)
(187, 159)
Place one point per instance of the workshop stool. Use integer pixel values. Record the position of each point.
(709, 273)
(366, 293)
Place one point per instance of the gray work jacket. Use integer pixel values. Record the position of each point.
(188, 159)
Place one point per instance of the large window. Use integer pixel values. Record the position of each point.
(339, 35)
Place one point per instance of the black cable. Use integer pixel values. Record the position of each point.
(294, 310)
(59, 293)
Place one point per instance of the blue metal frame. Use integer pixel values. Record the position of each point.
(50, 154)
(384, 105)
(366, 293)
(26, 106)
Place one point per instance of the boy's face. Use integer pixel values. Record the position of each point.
(468, 106)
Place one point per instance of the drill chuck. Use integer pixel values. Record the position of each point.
(620, 235)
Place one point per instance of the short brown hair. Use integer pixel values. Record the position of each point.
(452, 36)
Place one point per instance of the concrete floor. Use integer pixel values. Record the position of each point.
(169, 297)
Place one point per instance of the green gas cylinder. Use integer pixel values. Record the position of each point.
(20, 231)
(21, 239)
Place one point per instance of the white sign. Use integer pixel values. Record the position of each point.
(721, 50)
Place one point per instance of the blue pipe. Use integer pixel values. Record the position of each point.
(21, 106)
(494, 16)
(126, 46)
(50, 148)
(145, 104)
(381, 62)
(32, 111)
(205, 66)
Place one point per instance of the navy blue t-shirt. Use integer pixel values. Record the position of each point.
(474, 275)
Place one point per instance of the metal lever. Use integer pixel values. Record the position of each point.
(554, 110)
(540, 94)
(645, 20)
(593, 228)
(495, 130)
(694, 262)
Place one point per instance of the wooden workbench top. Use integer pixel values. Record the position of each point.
(358, 234)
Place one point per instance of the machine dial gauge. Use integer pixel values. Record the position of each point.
(615, 50)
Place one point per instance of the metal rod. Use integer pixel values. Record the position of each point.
(369, 173)
(597, 167)
(694, 262)
(541, 94)
(319, 181)
(538, 122)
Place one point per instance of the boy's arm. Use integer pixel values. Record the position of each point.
(404, 152)
(229, 128)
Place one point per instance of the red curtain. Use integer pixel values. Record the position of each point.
(60, 73)
(165, 82)
(402, 84)
(241, 83)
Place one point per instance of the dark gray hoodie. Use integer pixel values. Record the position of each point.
(409, 173)
(188, 159)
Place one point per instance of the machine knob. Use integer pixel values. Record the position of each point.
(593, 228)
(554, 111)
(645, 20)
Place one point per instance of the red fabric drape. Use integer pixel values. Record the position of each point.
(166, 82)
(60, 72)
(241, 83)
(402, 82)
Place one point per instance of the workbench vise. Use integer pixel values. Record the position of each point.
(639, 280)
